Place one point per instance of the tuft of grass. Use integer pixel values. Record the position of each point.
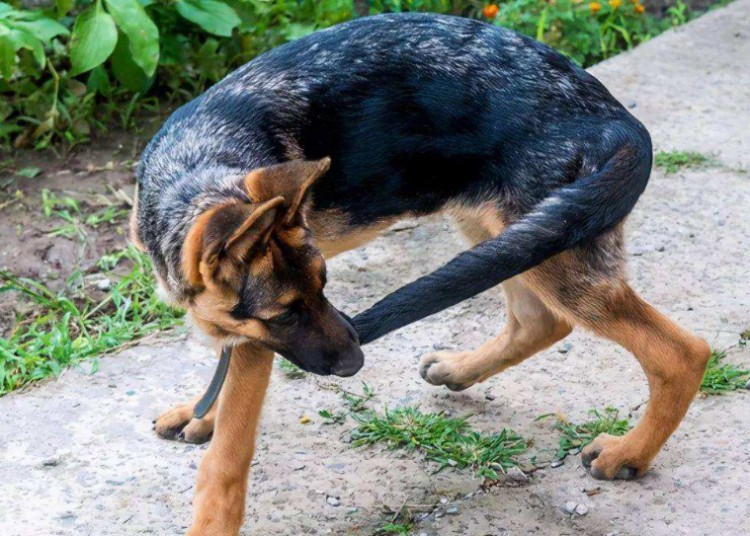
(674, 161)
(395, 529)
(449, 442)
(354, 404)
(576, 436)
(721, 378)
(290, 370)
(60, 329)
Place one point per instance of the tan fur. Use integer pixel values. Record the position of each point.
(135, 237)
(219, 504)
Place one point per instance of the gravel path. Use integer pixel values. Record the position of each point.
(77, 455)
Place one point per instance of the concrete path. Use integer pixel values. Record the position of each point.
(78, 457)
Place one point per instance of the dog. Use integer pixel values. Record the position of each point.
(317, 146)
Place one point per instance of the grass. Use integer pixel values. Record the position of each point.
(721, 378)
(355, 404)
(290, 370)
(394, 529)
(576, 436)
(674, 161)
(63, 328)
(449, 442)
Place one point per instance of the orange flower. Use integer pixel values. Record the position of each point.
(614, 4)
(594, 7)
(490, 11)
(638, 9)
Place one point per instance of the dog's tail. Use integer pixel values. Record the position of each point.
(570, 215)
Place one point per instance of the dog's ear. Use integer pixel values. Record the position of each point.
(291, 180)
(226, 233)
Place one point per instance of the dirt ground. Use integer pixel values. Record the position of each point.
(77, 454)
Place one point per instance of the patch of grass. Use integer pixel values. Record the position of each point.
(354, 404)
(674, 161)
(449, 442)
(290, 370)
(60, 329)
(576, 436)
(721, 378)
(76, 222)
(395, 529)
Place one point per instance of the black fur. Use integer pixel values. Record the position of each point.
(416, 111)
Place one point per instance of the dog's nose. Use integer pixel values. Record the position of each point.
(350, 365)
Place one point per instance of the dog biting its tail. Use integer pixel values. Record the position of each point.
(569, 216)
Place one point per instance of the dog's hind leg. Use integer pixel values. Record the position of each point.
(531, 327)
(178, 423)
(219, 504)
(580, 285)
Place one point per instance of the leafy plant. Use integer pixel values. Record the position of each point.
(674, 161)
(64, 328)
(290, 370)
(721, 378)
(576, 436)
(445, 441)
(395, 529)
(84, 65)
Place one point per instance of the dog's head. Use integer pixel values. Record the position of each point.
(256, 273)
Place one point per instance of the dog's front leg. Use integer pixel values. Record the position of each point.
(219, 503)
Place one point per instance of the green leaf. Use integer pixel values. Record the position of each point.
(93, 41)
(63, 6)
(28, 172)
(142, 33)
(98, 81)
(127, 72)
(215, 17)
(41, 28)
(21, 39)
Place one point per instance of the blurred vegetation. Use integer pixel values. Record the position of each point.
(70, 67)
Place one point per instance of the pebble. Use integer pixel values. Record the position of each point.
(515, 473)
(747, 385)
(104, 284)
(556, 464)
(570, 507)
(490, 397)
(582, 510)
(564, 348)
(333, 501)
(452, 510)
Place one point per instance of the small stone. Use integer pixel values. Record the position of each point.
(747, 385)
(582, 509)
(490, 397)
(557, 463)
(452, 463)
(631, 104)
(452, 510)
(564, 348)
(304, 419)
(298, 466)
(104, 284)
(515, 473)
(570, 507)
(333, 501)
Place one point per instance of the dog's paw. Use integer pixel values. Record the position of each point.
(609, 458)
(444, 368)
(178, 424)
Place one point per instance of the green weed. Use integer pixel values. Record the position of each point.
(395, 529)
(576, 436)
(721, 378)
(354, 404)
(449, 442)
(290, 370)
(64, 328)
(674, 161)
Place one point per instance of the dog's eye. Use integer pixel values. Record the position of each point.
(287, 317)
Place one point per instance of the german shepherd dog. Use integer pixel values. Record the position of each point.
(315, 147)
